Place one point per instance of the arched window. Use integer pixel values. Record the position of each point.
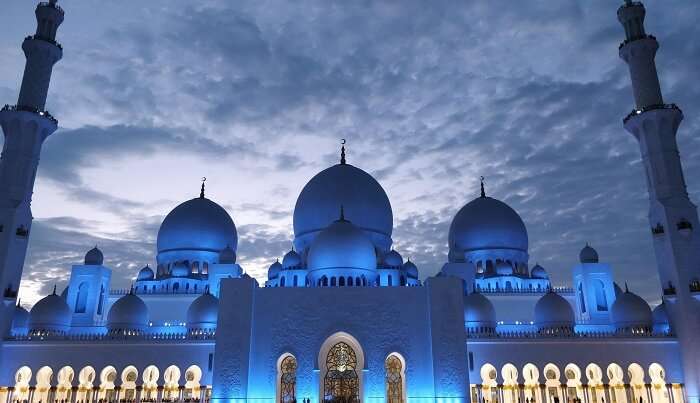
(296, 280)
(282, 281)
(287, 379)
(394, 379)
(333, 282)
(601, 300)
(341, 282)
(81, 298)
(350, 281)
(176, 287)
(325, 281)
(341, 382)
(389, 281)
(403, 281)
(581, 299)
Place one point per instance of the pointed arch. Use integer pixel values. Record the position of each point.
(193, 376)
(81, 297)
(286, 385)
(395, 378)
(171, 382)
(22, 378)
(341, 354)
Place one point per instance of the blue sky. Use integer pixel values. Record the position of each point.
(255, 96)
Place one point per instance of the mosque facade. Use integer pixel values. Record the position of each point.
(343, 317)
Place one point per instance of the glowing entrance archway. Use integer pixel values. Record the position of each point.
(340, 362)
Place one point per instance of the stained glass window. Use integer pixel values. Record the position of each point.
(288, 379)
(341, 383)
(394, 383)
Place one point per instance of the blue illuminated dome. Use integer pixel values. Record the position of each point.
(128, 313)
(50, 314)
(145, 274)
(659, 318)
(504, 269)
(488, 229)
(274, 270)
(539, 272)
(94, 257)
(366, 205)
(291, 260)
(393, 259)
(20, 320)
(411, 269)
(479, 312)
(203, 312)
(553, 311)
(630, 311)
(341, 250)
(196, 230)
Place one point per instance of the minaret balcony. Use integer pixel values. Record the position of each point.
(20, 108)
(635, 39)
(637, 112)
(42, 38)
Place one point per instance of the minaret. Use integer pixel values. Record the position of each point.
(673, 217)
(25, 126)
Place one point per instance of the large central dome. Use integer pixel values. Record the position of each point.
(365, 202)
(195, 226)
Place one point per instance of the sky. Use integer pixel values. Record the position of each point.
(256, 95)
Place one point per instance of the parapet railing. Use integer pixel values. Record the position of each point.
(23, 108)
(564, 334)
(636, 112)
(558, 290)
(112, 337)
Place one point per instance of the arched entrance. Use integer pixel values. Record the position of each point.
(341, 383)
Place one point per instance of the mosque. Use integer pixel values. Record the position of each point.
(488, 328)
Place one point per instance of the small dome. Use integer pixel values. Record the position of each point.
(342, 246)
(504, 269)
(393, 259)
(94, 257)
(291, 260)
(487, 223)
(631, 311)
(411, 269)
(128, 313)
(588, 255)
(180, 269)
(553, 311)
(145, 274)
(20, 319)
(203, 312)
(51, 314)
(659, 315)
(539, 272)
(274, 270)
(227, 255)
(478, 311)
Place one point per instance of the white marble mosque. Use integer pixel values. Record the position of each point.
(488, 328)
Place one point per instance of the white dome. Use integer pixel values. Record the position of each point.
(504, 269)
(342, 246)
(393, 259)
(631, 311)
(539, 272)
(94, 257)
(411, 269)
(291, 260)
(479, 311)
(180, 269)
(588, 255)
(203, 312)
(274, 270)
(51, 314)
(145, 274)
(128, 313)
(552, 311)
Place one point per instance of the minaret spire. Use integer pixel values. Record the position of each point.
(25, 126)
(673, 218)
(483, 191)
(201, 191)
(342, 151)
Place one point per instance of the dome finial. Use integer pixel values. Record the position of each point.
(626, 288)
(342, 213)
(54, 290)
(342, 151)
(483, 192)
(201, 192)
(131, 290)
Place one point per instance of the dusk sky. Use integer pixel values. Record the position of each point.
(256, 95)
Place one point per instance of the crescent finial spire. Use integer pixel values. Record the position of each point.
(201, 192)
(342, 151)
(483, 192)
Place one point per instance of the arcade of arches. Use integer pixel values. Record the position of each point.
(591, 386)
(107, 385)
